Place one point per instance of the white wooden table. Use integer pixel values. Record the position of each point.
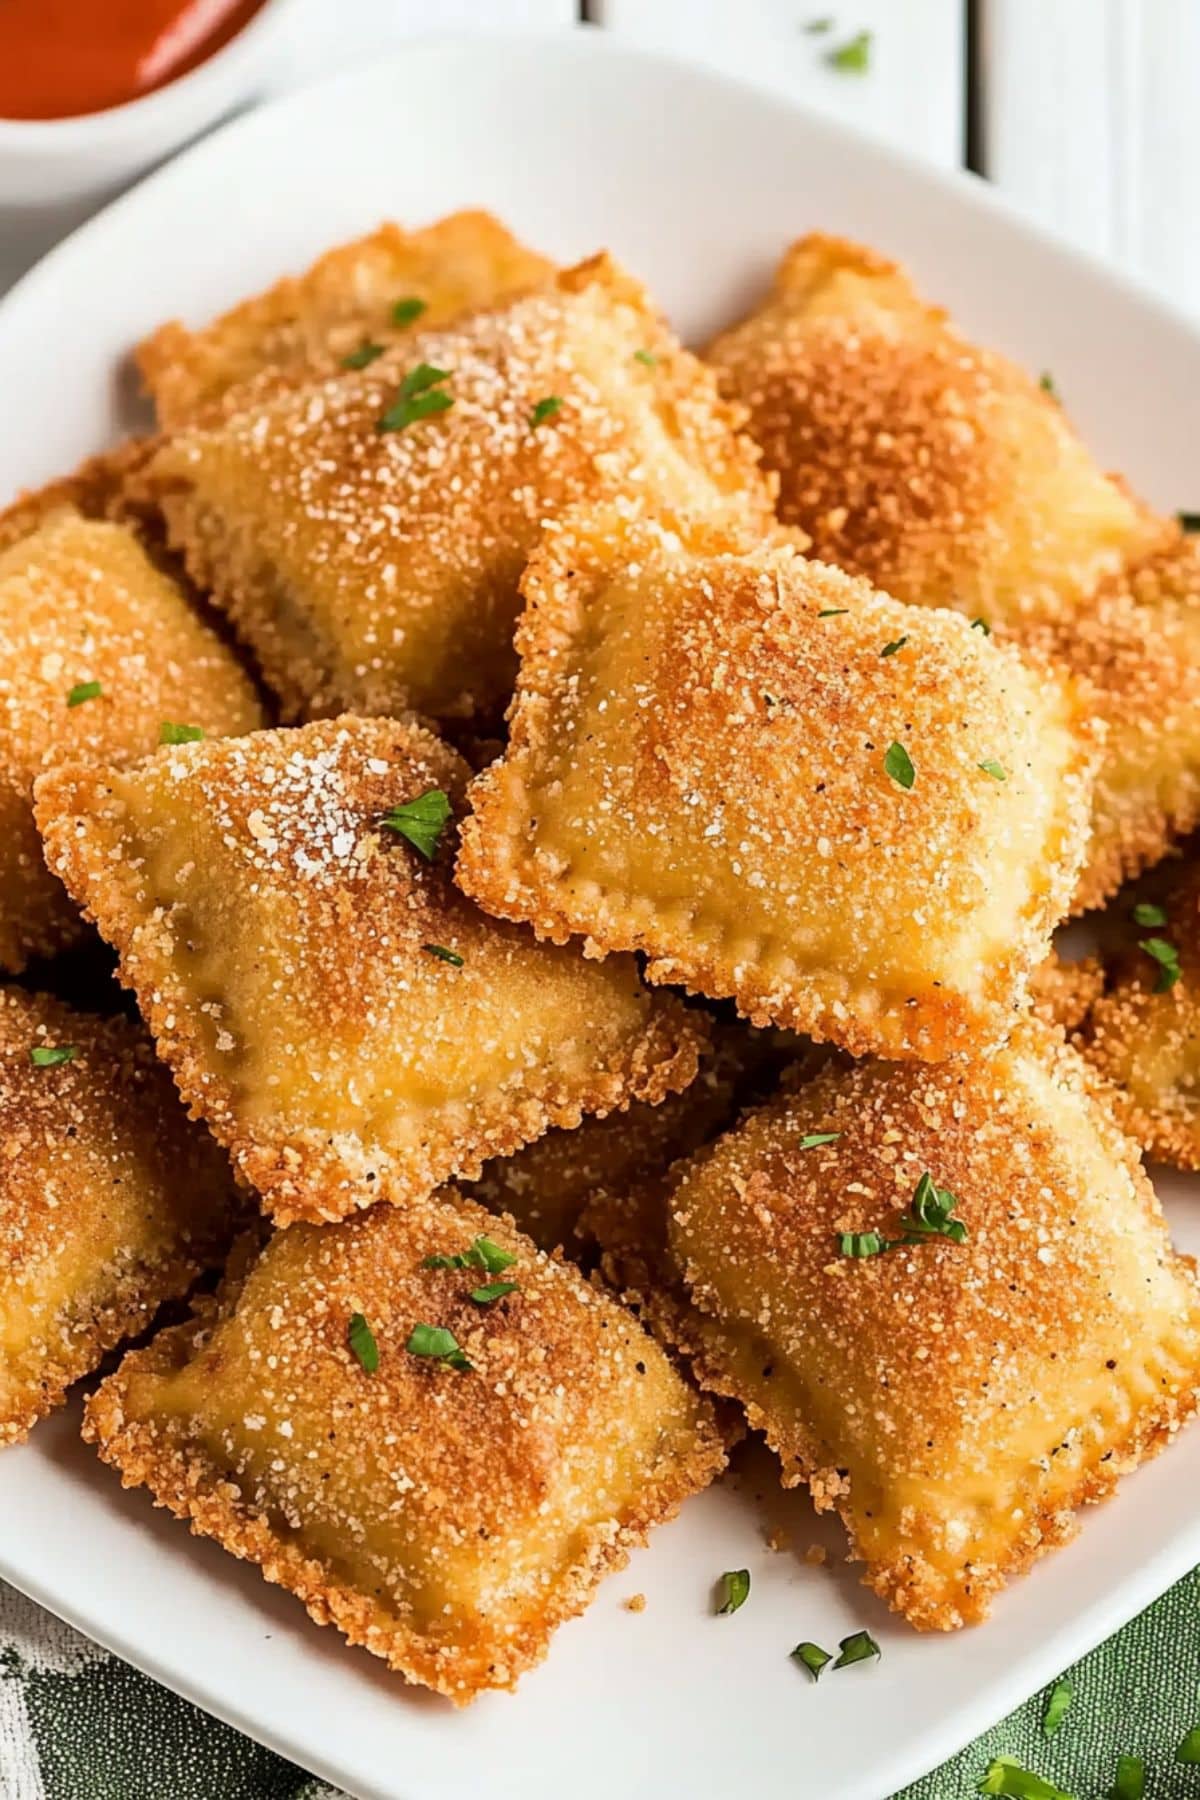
(1085, 112)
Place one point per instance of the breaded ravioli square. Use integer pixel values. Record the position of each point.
(441, 1471)
(948, 1298)
(347, 1024)
(98, 650)
(366, 534)
(111, 1202)
(1143, 1031)
(856, 819)
(357, 296)
(950, 477)
(939, 470)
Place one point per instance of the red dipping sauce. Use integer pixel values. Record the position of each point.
(60, 58)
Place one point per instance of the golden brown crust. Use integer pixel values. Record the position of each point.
(289, 953)
(1146, 1041)
(97, 489)
(954, 1402)
(375, 570)
(464, 1514)
(110, 1201)
(304, 325)
(81, 601)
(1062, 993)
(938, 470)
(696, 770)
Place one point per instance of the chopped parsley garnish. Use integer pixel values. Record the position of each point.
(929, 1212)
(179, 734)
(421, 821)
(1131, 1779)
(862, 1243)
(860, 1646)
(812, 1658)
(360, 358)
(1006, 1776)
(405, 311)
(439, 1344)
(981, 625)
(493, 1291)
(891, 649)
(483, 1254)
(817, 27)
(443, 955)
(1144, 913)
(1057, 1705)
(1189, 520)
(647, 357)
(362, 1342)
(995, 769)
(48, 1056)
(1046, 383)
(735, 1590)
(1167, 957)
(84, 690)
(833, 612)
(812, 1138)
(545, 409)
(853, 58)
(419, 395)
(1189, 1749)
(899, 765)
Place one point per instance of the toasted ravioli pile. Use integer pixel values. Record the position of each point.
(584, 829)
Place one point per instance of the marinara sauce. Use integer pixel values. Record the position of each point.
(60, 58)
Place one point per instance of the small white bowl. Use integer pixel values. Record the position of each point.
(73, 160)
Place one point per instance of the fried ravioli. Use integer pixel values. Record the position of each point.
(857, 819)
(366, 535)
(110, 1201)
(448, 1509)
(1143, 1032)
(344, 1021)
(364, 293)
(98, 649)
(954, 1374)
(947, 476)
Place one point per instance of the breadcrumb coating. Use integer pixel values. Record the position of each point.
(947, 476)
(954, 1402)
(1061, 993)
(701, 766)
(304, 325)
(97, 489)
(110, 1201)
(80, 603)
(1144, 1037)
(938, 470)
(375, 569)
(345, 1022)
(446, 1519)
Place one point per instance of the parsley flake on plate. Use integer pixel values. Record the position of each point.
(1046, 383)
(443, 955)
(734, 1590)
(482, 1254)
(439, 1344)
(1145, 913)
(179, 734)
(1131, 1779)
(419, 395)
(1058, 1702)
(862, 1243)
(833, 612)
(899, 765)
(84, 690)
(981, 625)
(362, 1342)
(48, 1056)
(1189, 1748)
(647, 358)
(1190, 521)
(812, 1658)
(929, 1212)
(493, 1291)
(811, 1139)
(993, 768)
(421, 821)
(852, 58)
(891, 649)
(860, 1646)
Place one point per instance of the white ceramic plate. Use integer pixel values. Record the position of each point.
(697, 183)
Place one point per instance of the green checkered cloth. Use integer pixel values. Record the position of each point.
(76, 1724)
